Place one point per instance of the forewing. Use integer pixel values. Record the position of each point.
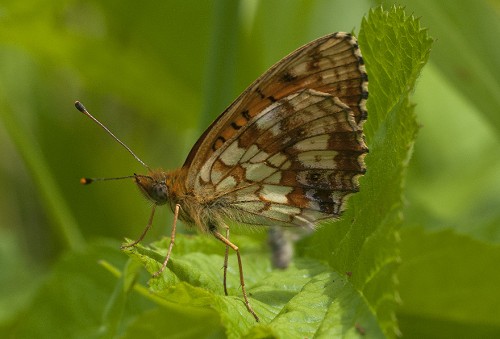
(331, 64)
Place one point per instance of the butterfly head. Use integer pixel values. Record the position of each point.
(153, 186)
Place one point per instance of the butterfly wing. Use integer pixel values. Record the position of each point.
(291, 147)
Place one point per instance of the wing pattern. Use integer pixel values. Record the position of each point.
(290, 149)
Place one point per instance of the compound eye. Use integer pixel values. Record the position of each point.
(156, 191)
(160, 193)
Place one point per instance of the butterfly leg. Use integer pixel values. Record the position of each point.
(172, 241)
(240, 266)
(148, 226)
(226, 255)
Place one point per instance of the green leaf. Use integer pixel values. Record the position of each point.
(305, 300)
(365, 240)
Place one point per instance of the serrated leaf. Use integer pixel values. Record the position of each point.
(364, 242)
(307, 299)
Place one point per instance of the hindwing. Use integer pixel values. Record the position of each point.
(292, 164)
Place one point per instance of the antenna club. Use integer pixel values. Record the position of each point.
(79, 106)
(86, 181)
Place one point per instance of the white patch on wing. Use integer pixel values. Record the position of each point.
(318, 142)
(253, 206)
(281, 212)
(274, 193)
(277, 159)
(204, 173)
(286, 209)
(247, 193)
(250, 152)
(274, 179)
(318, 159)
(257, 172)
(215, 176)
(226, 184)
(259, 157)
(286, 165)
(232, 154)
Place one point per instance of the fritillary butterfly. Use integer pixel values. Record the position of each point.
(288, 151)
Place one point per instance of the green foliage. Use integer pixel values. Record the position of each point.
(424, 263)
(306, 299)
(450, 238)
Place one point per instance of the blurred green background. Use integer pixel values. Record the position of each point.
(157, 73)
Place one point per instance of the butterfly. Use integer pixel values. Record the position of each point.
(287, 152)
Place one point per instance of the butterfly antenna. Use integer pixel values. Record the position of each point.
(88, 181)
(79, 106)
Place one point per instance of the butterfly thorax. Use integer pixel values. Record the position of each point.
(168, 187)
